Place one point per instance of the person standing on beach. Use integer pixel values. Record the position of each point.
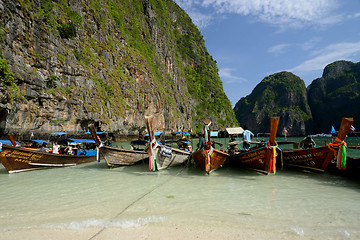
(247, 137)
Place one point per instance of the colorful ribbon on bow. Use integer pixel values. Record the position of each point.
(273, 155)
(152, 156)
(98, 153)
(207, 129)
(208, 158)
(341, 153)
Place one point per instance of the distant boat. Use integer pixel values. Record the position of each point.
(79, 146)
(17, 159)
(181, 139)
(207, 157)
(318, 158)
(32, 144)
(160, 155)
(116, 157)
(262, 158)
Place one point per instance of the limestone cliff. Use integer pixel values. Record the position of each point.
(335, 95)
(310, 110)
(106, 62)
(282, 94)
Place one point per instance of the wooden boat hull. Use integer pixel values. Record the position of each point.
(312, 159)
(352, 168)
(318, 158)
(178, 157)
(217, 159)
(263, 157)
(257, 159)
(17, 159)
(116, 157)
(156, 160)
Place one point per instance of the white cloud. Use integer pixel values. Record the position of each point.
(185, 4)
(201, 20)
(355, 15)
(278, 11)
(227, 75)
(284, 13)
(278, 49)
(339, 51)
(311, 43)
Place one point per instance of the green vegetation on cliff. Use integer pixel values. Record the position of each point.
(335, 95)
(282, 94)
(134, 31)
(7, 80)
(202, 76)
(272, 95)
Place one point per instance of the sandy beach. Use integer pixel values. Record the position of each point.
(91, 201)
(151, 232)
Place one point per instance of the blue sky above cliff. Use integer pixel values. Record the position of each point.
(251, 39)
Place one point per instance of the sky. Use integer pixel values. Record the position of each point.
(252, 39)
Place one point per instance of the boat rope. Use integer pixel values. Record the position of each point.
(272, 168)
(137, 200)
(341, 152)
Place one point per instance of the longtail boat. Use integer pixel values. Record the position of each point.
(261, 158)
(116, 157)
(352, 169)
(16, 159)
(319, 158)
(207, 157)
(160, 155)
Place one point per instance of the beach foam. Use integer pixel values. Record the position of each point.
(123, 223)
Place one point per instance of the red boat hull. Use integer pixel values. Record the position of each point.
(258, 160)
(313, 159)
(217, 159)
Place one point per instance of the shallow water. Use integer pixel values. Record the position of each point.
(293, 202)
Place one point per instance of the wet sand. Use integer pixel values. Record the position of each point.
(150, 232)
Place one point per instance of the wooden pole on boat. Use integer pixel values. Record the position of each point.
(94, 135)
(274, 122)
(150, 127)
(207, 145)
(344, 128)
(339, 141)
(271, 150)
(12, 139)
(207, 122)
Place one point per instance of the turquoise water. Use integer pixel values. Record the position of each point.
(92, 196)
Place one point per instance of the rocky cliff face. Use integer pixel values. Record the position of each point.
(303, 110)
(282, 94)
(335, 95)
(103, 62)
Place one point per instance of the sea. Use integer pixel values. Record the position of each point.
(294, 203)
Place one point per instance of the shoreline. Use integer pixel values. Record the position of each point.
(153, 232)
